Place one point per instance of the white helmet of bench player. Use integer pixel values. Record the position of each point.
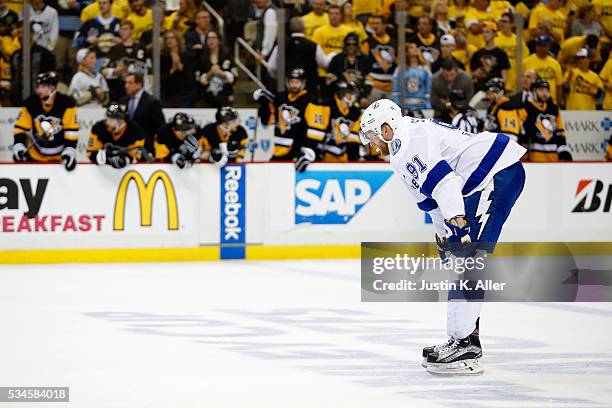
(378, 113)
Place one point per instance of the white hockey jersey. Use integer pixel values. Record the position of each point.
(441, 164)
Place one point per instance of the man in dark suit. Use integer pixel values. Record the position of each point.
(524, 95)
(143, 108)
(195, 40)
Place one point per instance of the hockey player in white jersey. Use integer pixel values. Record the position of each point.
(468, 183)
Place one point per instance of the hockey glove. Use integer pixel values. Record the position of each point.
(219, 157)
(565, 155)
(181, 161)
(459, 241)
(190, 148)
(19, 152)
(117, 162)
(307, 157)
(260, 94)
(69, 158)
(443, 248)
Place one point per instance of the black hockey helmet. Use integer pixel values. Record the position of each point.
(495, 85)
(342, 88)
(457, 99)
(297, 73)
(415, 113)
(47, 78)
(540, 83)
(117, 111)
(183, 121)
(226, 114)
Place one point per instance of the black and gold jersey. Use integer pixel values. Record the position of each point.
(543, 133)
(383, 56)
(47, 131)
(213, 135)
(503, 116)
(166, 143)
(342, 137)
(131, 138)
(299, 122)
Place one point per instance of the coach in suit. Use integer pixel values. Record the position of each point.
(143, 108)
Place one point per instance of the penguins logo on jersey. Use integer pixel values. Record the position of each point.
(384, 56)
(546, 125)
(288, 116)
(413, 85)
(342, 129)
(47, 126)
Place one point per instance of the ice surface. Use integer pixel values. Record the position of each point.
(279, 334)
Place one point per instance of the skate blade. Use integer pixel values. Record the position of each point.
(467, 367)
(424, 363)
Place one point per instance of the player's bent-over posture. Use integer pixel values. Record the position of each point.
(468, 183)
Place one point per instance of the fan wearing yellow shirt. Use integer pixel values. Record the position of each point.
(481, 12)
(606, 77)
(141, 17)
(458, 10)
(506, 40)
(182, 19)
(331, 36)
(552, 12)
(546, 66)
(365, 8)
(120, 9)
(584, 84)
(572, 45)
(352, 23)
(604, 12)
(463, 50)
(315, 19)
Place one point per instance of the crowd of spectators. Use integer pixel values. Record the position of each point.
(449, 44)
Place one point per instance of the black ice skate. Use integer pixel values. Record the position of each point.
(434, 349)
(462, 357)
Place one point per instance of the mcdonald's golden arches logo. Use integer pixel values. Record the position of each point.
(145, 196)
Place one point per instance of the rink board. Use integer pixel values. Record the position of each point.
(156, 212)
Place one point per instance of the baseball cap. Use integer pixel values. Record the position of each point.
(447, 39)
(543, 39)
(81, 54)
(583, 53)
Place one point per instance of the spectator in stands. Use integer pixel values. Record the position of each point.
(417, 81)
(544, 27)
(399, 5)
(316, 18)
(141, 16)
(127, 56)
(586, 22)
(267, 23)
(546, 66)
(69, 23)
(447, 47)
(524, 95)
(120, 9)
(605, 17)
(216, 73)
(88, 88)
(549, 10)
(447, 79)
(45, 24)
(182, 19)
(426, 41)
(463, 50)
(364, 9)
(8, 19)
(439, 14)
(352, 23)
(457, 11)
(176, 72)
(330, 36)
(489, 61)
(381, 48)
(572, 45)
(143, 108)
(506, 41)
(300, 52)
(606, 77)
(101, 32)
(195, 39)
(41, 60)
(583, 85)
(351, 66)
